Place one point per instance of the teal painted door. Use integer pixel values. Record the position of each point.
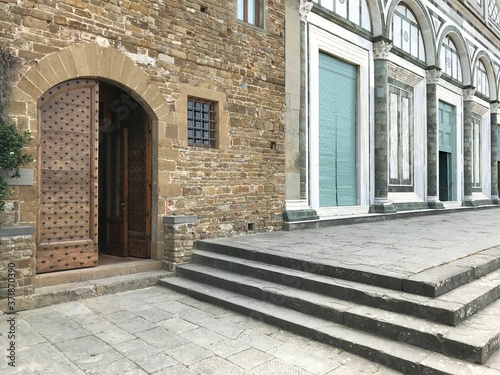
(337, 132)
(447, 174)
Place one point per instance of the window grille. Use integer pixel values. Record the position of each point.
(202, 122)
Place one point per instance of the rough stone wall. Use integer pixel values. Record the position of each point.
(17, 265)
(176, 42)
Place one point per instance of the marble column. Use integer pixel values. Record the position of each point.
(381, 203)
(468, 113)
(495, 110)
(432, 79)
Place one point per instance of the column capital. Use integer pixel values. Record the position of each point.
(433, 75)
(304, 9)
(381, 48)
(495, 107)
(469, 92)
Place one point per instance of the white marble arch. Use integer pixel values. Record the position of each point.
(327, 37)
(453, 95)
(456, 36)
(425, 22)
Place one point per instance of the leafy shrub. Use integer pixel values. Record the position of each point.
(12, 155)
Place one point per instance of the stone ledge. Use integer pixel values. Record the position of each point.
(179, 219)
(16, 231)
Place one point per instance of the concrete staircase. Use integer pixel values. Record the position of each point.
(443, 321)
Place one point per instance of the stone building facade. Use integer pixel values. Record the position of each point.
(155, 107)
(391, 106)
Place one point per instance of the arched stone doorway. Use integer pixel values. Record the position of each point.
(94, 176)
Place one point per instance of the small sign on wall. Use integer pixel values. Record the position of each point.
(25, 177)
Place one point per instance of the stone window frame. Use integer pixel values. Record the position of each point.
(186, 92)
(241, 10)
(476, 152)
(403, 184)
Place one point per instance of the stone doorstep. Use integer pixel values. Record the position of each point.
(432, 282)
(394, 354)
(473, 340)
(95, 273)
(54, 294)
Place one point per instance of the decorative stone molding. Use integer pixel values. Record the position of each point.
(381, 49)
(469, 93)
(304, 9)
(432, 76)
(403, 75)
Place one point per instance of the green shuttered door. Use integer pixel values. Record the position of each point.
(337, 132)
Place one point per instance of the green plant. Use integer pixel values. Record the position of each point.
(12, 155)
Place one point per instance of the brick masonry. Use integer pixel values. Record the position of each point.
(158, 51)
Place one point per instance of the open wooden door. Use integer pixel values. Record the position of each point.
(68, 140)
(125, 170)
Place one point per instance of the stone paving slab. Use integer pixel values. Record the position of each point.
(428, 255)
(201, 346)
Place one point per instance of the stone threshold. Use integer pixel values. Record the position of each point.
(74, 291)
(96, 273)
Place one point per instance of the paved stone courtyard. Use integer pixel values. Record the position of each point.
(159, 331)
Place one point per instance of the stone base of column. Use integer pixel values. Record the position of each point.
(435, 205)
(476, 202)
(495, 199)
(382, 208)
(178, 240)
(300, 215)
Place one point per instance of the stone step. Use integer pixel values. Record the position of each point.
(474, 340)
(432, 282)
(394, 354)
(452, 308)
(49, 295)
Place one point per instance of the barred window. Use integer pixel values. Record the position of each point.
(251, 11)
(450, 60)
(406, 33)
(482, 83)
(202, 122)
